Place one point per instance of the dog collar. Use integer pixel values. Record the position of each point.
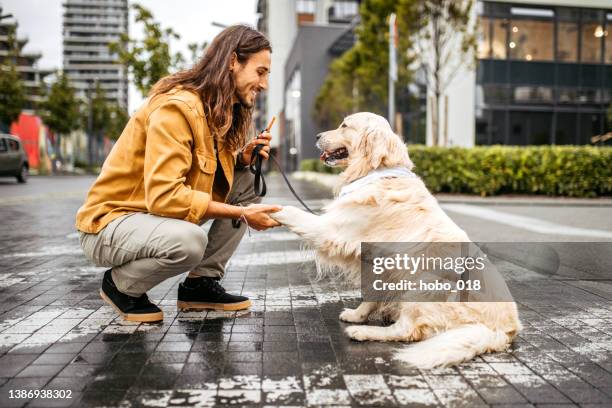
(375, 175)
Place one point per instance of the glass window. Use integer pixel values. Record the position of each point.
(533, 94)
(590, 125)
(518, 128)
(608, 40)
(540, 128)
(484, 37)
(306, 6)
(531, 40)
(496, 94)
(13, 145)
(567, 41)
(566, 128)
(498, 127)
(592, 35)
(500, 30)
(567, 95)
(3, 147)
(530, 128)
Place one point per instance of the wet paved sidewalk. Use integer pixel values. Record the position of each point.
(288, 350)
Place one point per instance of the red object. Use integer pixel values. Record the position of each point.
(28, 128)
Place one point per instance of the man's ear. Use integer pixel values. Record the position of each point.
(233, 62)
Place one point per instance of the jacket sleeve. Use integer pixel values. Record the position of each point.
(170, 130)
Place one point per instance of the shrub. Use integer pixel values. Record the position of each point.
(574, 171)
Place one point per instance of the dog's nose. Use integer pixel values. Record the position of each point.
(318, 137)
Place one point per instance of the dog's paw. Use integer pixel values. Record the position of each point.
(352, 316)
(359, 333)
(286, 215)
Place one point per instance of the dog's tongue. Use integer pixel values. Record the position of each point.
(323, 156)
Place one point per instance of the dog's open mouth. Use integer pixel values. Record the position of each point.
(333, 156)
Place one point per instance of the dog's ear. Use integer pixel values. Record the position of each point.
(380, 146)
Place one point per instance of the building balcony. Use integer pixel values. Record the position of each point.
(77, 67)
(86, 40)
(97, 19)
(72, 59)
(71, 29)
(78, 76)
(71, 11)
(86, 48)
(92, 3)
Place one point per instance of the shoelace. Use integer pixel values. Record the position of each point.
(216, 287)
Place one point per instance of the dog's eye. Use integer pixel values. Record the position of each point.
(343, 125)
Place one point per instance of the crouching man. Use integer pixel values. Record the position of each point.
(181, 160)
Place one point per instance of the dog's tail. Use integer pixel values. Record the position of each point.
(454, 346)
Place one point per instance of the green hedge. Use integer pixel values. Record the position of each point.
(574, 171)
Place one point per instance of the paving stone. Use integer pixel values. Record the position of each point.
(288, 350)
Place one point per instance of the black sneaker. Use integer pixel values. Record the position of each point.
(134, 309)
(206, 293)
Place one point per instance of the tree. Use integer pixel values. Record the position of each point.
(197, 51)
(12, 92)
(358, 80)
(444, 42)
(59, 109)
(118, 119)
(149, 59)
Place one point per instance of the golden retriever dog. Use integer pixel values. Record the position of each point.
(396, 207)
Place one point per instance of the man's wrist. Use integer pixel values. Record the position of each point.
(240, 160)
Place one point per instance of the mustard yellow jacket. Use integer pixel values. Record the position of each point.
(163, 163)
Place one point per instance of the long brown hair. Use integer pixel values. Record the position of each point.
(213, 81)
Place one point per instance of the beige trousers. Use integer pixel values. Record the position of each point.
(145, 249)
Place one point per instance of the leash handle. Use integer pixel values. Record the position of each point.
(256, 163)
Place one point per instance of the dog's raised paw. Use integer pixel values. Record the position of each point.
(352, 316)
(357, 332)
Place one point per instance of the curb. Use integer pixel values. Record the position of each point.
(330, 180)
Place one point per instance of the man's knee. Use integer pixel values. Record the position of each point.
(186, 245)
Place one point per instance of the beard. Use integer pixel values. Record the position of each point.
(243, 101)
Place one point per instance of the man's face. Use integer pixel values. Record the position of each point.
(251, 78)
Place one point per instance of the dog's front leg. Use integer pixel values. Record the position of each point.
(358, 315)
(306, 225)
(402, 330)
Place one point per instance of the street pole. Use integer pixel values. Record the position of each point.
(392, 70)
(89, 126)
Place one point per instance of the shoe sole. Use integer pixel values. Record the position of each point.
(196, 306)
(138, 317)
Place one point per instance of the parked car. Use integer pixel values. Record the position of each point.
(13, 159)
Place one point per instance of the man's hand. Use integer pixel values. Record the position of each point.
(257, 216)
(263, 139)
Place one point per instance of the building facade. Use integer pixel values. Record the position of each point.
(303, 34)
(544, 72)
(89, 26)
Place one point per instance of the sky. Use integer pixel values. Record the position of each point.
(41, 22)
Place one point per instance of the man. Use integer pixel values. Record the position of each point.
(181, 160)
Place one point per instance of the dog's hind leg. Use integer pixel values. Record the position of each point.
(358, 315)
(401, 330)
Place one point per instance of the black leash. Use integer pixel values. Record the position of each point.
(260, 183)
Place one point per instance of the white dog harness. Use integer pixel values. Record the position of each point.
(375, 175)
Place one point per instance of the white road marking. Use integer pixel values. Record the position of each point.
(523, 222)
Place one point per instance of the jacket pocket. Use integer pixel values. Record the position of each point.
(206, 162)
